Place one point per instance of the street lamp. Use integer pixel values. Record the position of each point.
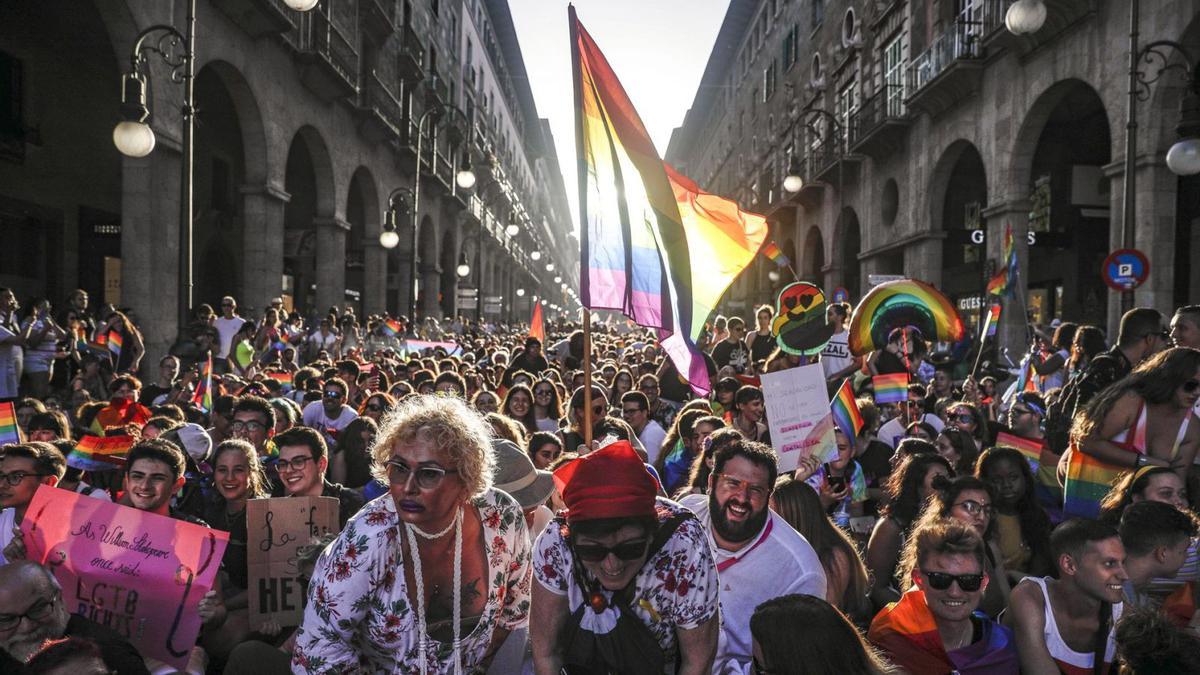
(558, 280)
(549, 267)
(535, 255)
(1025, 17)
(794, 181)
(465, 178)
(398, 204)
(1183, 159)
(463, 269)
(520, 292)
(512, 229)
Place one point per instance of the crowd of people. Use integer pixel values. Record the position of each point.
(498, 515)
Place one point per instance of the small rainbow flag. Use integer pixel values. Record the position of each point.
(393, 327)
(1088, 481)
(282, 378)
(1032, 449)
(99, 343)
(772, 252)
(891, 388)
(991, 322)
(1002, 282)
(282, 343)
(845, 411)
(100, 453)
(9, 433)
(114, 343)
(203, 398)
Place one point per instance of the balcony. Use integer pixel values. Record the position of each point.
(949, 71)
(379, 18)
(410, 59)
(326, 50)
(833, 164)
(259, 17)
(437, 90)
(878, 127)
(381, 115)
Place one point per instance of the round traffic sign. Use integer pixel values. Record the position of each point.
(1125, 269)
(840, 294)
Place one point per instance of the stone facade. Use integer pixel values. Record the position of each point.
(947, 128)
(305, 125)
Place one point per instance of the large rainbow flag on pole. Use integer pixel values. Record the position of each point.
(644, 226)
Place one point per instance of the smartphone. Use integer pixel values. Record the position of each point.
(836, 483)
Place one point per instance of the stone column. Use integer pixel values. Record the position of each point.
(262, 266)
(1012, 335)
(331, 262)
(375, 279)
(429, 287)
(922, 260)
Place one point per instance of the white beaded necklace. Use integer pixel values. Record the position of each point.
(418, 579)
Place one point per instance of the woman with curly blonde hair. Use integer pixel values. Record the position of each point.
(432, 576)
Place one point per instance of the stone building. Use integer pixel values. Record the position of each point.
(920, 129)
(305, 124)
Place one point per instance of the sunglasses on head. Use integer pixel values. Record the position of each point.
(626, 550)
(940, 581)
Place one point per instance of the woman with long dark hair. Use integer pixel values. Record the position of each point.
(1053, 367)
(828, 643)
(547, 405)
(518, 406)
(1022, 525)
(350, 463)
(908, 486)
(1088, 342)
(958, 448)
(133, 347)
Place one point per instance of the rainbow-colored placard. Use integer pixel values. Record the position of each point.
(9, 433)
(100, 453)
(1030, 448)
(845, 412)
(1088, 481)
(393, 328)
(899, 304)
(892, 388)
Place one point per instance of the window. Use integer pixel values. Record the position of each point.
(847, 102)
(790, 45)
(11, 124)
(818, 13)
(768, 82)
(893, 76)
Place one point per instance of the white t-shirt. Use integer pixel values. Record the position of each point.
(893, 430)
(227, 328)
(836, 355)
(652, 437)
(315, 417)
(778, 553)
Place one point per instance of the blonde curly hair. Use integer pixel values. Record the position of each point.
(454, 429)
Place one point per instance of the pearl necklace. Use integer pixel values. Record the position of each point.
(419, 581)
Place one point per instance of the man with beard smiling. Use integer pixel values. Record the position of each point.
(1058, 621)
(759, 556)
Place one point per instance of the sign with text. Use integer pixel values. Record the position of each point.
(276, 529)
(797, 403)
(136, 572)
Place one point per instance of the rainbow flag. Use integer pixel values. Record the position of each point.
(97, 453)
(891, 388)
(845, 411)
(282, 343)
(1027, 381)
(9, 433)
(1088, 481)
(99, 343)
(645, 227)
(203, 397)
(991, 321)
(1030, 448)
(115, 341)
(537, 327)
(772, 252)
(1002, 282)
(393, 328)
(908, 634)
(284, 379)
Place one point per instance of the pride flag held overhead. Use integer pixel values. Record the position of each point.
(1003, 282)
(845, 411)
(772, 252)
(891, 388)
(644, 226)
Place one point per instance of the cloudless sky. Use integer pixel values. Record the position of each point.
(658, 49)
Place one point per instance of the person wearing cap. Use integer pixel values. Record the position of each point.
(442, 530)
(626, 580)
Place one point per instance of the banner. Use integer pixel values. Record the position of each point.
(136, 572)
(276, 529)
(798, 415)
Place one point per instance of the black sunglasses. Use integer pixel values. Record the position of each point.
(626, 550)
(334, 395)
(940, 581)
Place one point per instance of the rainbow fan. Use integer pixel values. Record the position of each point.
(899, 304)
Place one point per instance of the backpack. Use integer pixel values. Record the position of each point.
(1060, 413)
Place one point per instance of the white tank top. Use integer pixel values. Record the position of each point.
(1069, 660)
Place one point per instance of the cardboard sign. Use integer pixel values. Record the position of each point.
(140, 574)
(798, 416)
(276, 529)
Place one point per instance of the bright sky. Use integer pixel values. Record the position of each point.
(658, 49)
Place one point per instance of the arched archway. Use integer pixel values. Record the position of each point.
(814, 257)
(849, 239)
(1064, 143)
(309, 181)
(427, 268)
(362, 213)
(959, 197)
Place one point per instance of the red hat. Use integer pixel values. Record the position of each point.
(611, 482)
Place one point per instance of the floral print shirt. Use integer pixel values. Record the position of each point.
(676, 588)
(358, 618)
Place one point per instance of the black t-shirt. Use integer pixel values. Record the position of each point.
(349, 501)
(151, 392)
(236, 559)
(890, 363)
(762, 346)
(673, 388)
(734, 354)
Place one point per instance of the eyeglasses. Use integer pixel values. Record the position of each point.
(964, 417)
(14, 479)
(1191, 386)
(428, 477)
(626, 412)
(973, 507)
(248, 425)
(333, 395)
(626, 550)
(757, 492)
(543, 392)
(39, 611)
(294, 464)
(940, 581)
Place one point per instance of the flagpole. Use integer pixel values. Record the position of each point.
(587, 378)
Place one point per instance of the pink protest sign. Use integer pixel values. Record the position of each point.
(140, 574)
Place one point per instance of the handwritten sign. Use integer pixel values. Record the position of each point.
(139, 573)
(276, 530)
(797, 403)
